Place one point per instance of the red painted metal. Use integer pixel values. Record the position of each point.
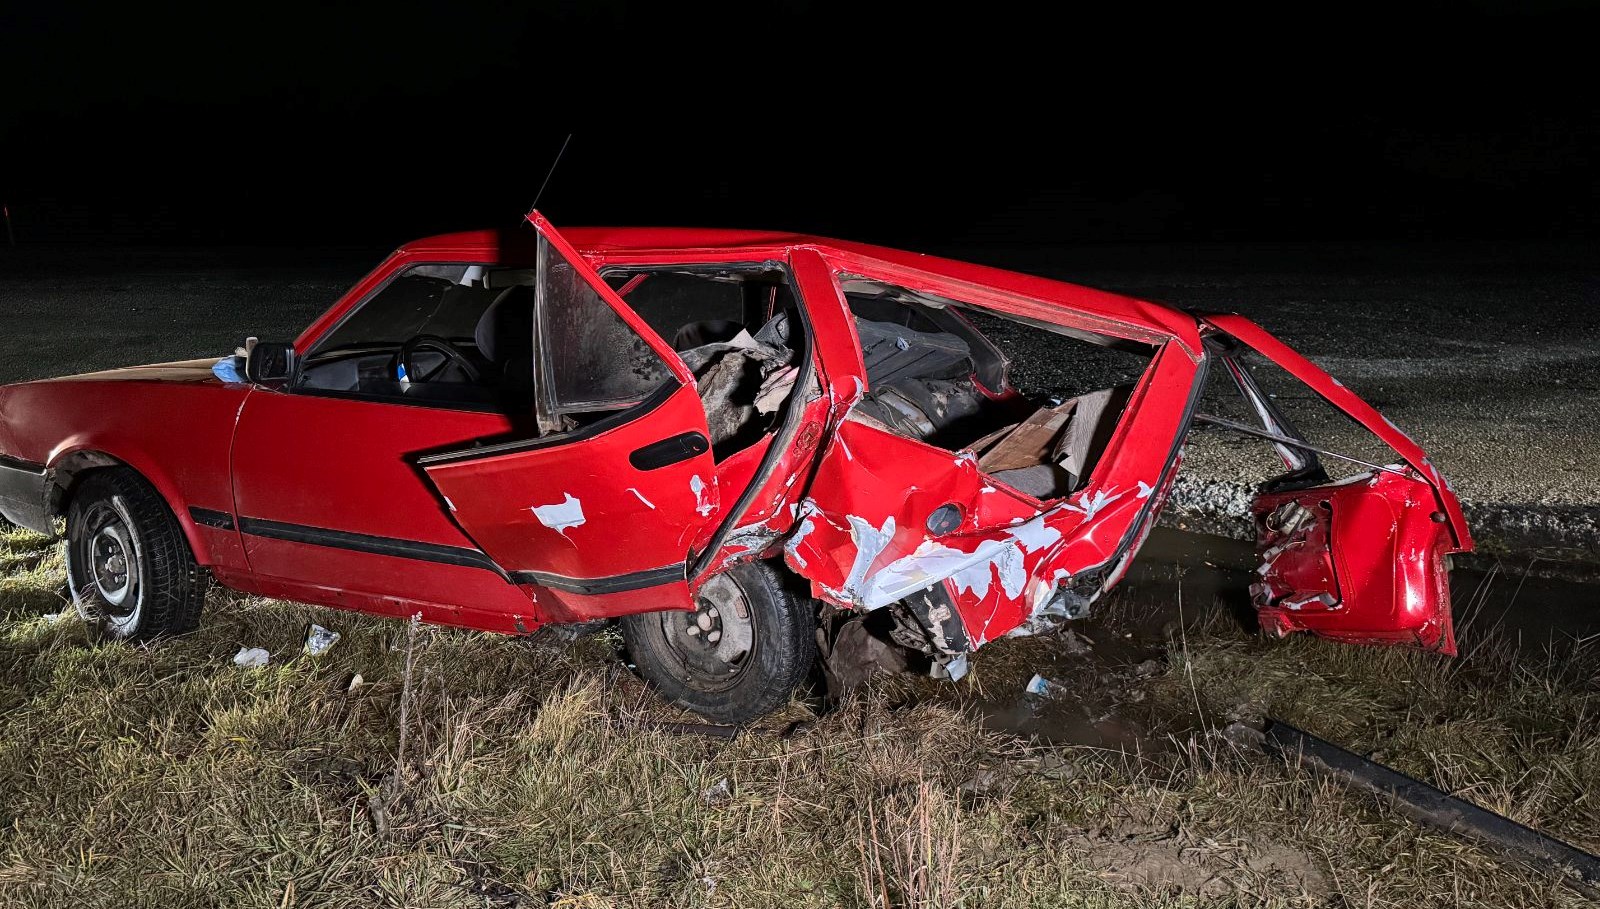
(1296, 364)
(850, 501)
(1369, 566)
(1379, 546)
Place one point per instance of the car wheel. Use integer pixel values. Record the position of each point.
(129, 567)
(738, 656)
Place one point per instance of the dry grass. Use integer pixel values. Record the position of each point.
(532, 776)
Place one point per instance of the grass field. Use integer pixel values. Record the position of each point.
(517, 773)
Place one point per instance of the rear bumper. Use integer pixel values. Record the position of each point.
(23, 488)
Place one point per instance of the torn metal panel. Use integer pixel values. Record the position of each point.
(865, 541)
(1361, 561)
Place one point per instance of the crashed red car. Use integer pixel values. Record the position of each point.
(703, 433)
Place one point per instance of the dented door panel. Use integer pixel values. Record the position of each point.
(580, 514)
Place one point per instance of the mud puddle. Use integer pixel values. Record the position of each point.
(1094, 671)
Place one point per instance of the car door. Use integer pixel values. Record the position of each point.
(601, 509)
(1364, 559)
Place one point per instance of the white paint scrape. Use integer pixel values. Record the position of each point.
(702, 504)
(636, 492)
(562, 516)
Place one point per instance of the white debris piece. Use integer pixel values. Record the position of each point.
(319, 640)
(251, 658)
(1038, 685)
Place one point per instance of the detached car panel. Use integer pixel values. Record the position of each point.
(503, 430)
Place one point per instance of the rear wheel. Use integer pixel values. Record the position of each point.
(738, 656)
(129, 567)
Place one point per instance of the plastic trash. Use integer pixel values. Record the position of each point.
(227, 369)
(319, 640)
(251, 658)
(1038, 685)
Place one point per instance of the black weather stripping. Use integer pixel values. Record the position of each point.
(681, 447)
(360, 542)
(211, 518)
(1434, 807)
(617, 583)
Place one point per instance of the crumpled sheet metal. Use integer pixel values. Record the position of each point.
(1002, 565)
(862, 538)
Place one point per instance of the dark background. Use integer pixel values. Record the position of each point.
(261, 125)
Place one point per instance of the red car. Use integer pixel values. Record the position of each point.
(702, 433)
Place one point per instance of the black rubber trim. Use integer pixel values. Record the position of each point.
(456, 555)
(681, 447)
(211, 518)
(611, 421)
(360, 542)
(19, 464)
(618, 583)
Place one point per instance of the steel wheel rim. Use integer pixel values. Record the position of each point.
(715, 644)
(109, 568)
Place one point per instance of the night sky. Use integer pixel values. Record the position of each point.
(370, 125)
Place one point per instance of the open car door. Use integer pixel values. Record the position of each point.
(1364, 559)
(601, 507)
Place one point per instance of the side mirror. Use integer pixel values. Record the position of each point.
(270, 363)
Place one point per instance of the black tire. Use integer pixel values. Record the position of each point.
(129, 567)
(688, 670)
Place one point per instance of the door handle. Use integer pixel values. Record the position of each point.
(681, 447)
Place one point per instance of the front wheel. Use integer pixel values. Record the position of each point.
(129, 567)
(738, 656)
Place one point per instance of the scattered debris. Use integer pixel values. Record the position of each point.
(1076, 644)
(356, 681)
(853, 653)
(319, 640)
(719, 792)
(1039, 685)
(1149, 669)
(251, 658)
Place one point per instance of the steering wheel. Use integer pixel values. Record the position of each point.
(438, 345)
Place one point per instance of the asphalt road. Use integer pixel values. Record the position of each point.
(1488, 355)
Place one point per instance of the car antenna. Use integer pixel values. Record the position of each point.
(550, 173)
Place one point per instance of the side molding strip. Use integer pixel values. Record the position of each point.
(454, 555)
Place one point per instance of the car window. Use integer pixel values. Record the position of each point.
(464, 332)
(443, 300)
(591, 359)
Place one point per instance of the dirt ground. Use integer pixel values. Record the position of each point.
(505, 773)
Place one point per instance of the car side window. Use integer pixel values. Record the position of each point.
(591, 360)
(436, 334)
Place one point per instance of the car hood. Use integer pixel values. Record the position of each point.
(180, 371)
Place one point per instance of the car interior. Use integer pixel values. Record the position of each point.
(1036, 405)
(738, 330)
(442, 335)
(463, 336)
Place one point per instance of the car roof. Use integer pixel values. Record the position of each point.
(1149, 317)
